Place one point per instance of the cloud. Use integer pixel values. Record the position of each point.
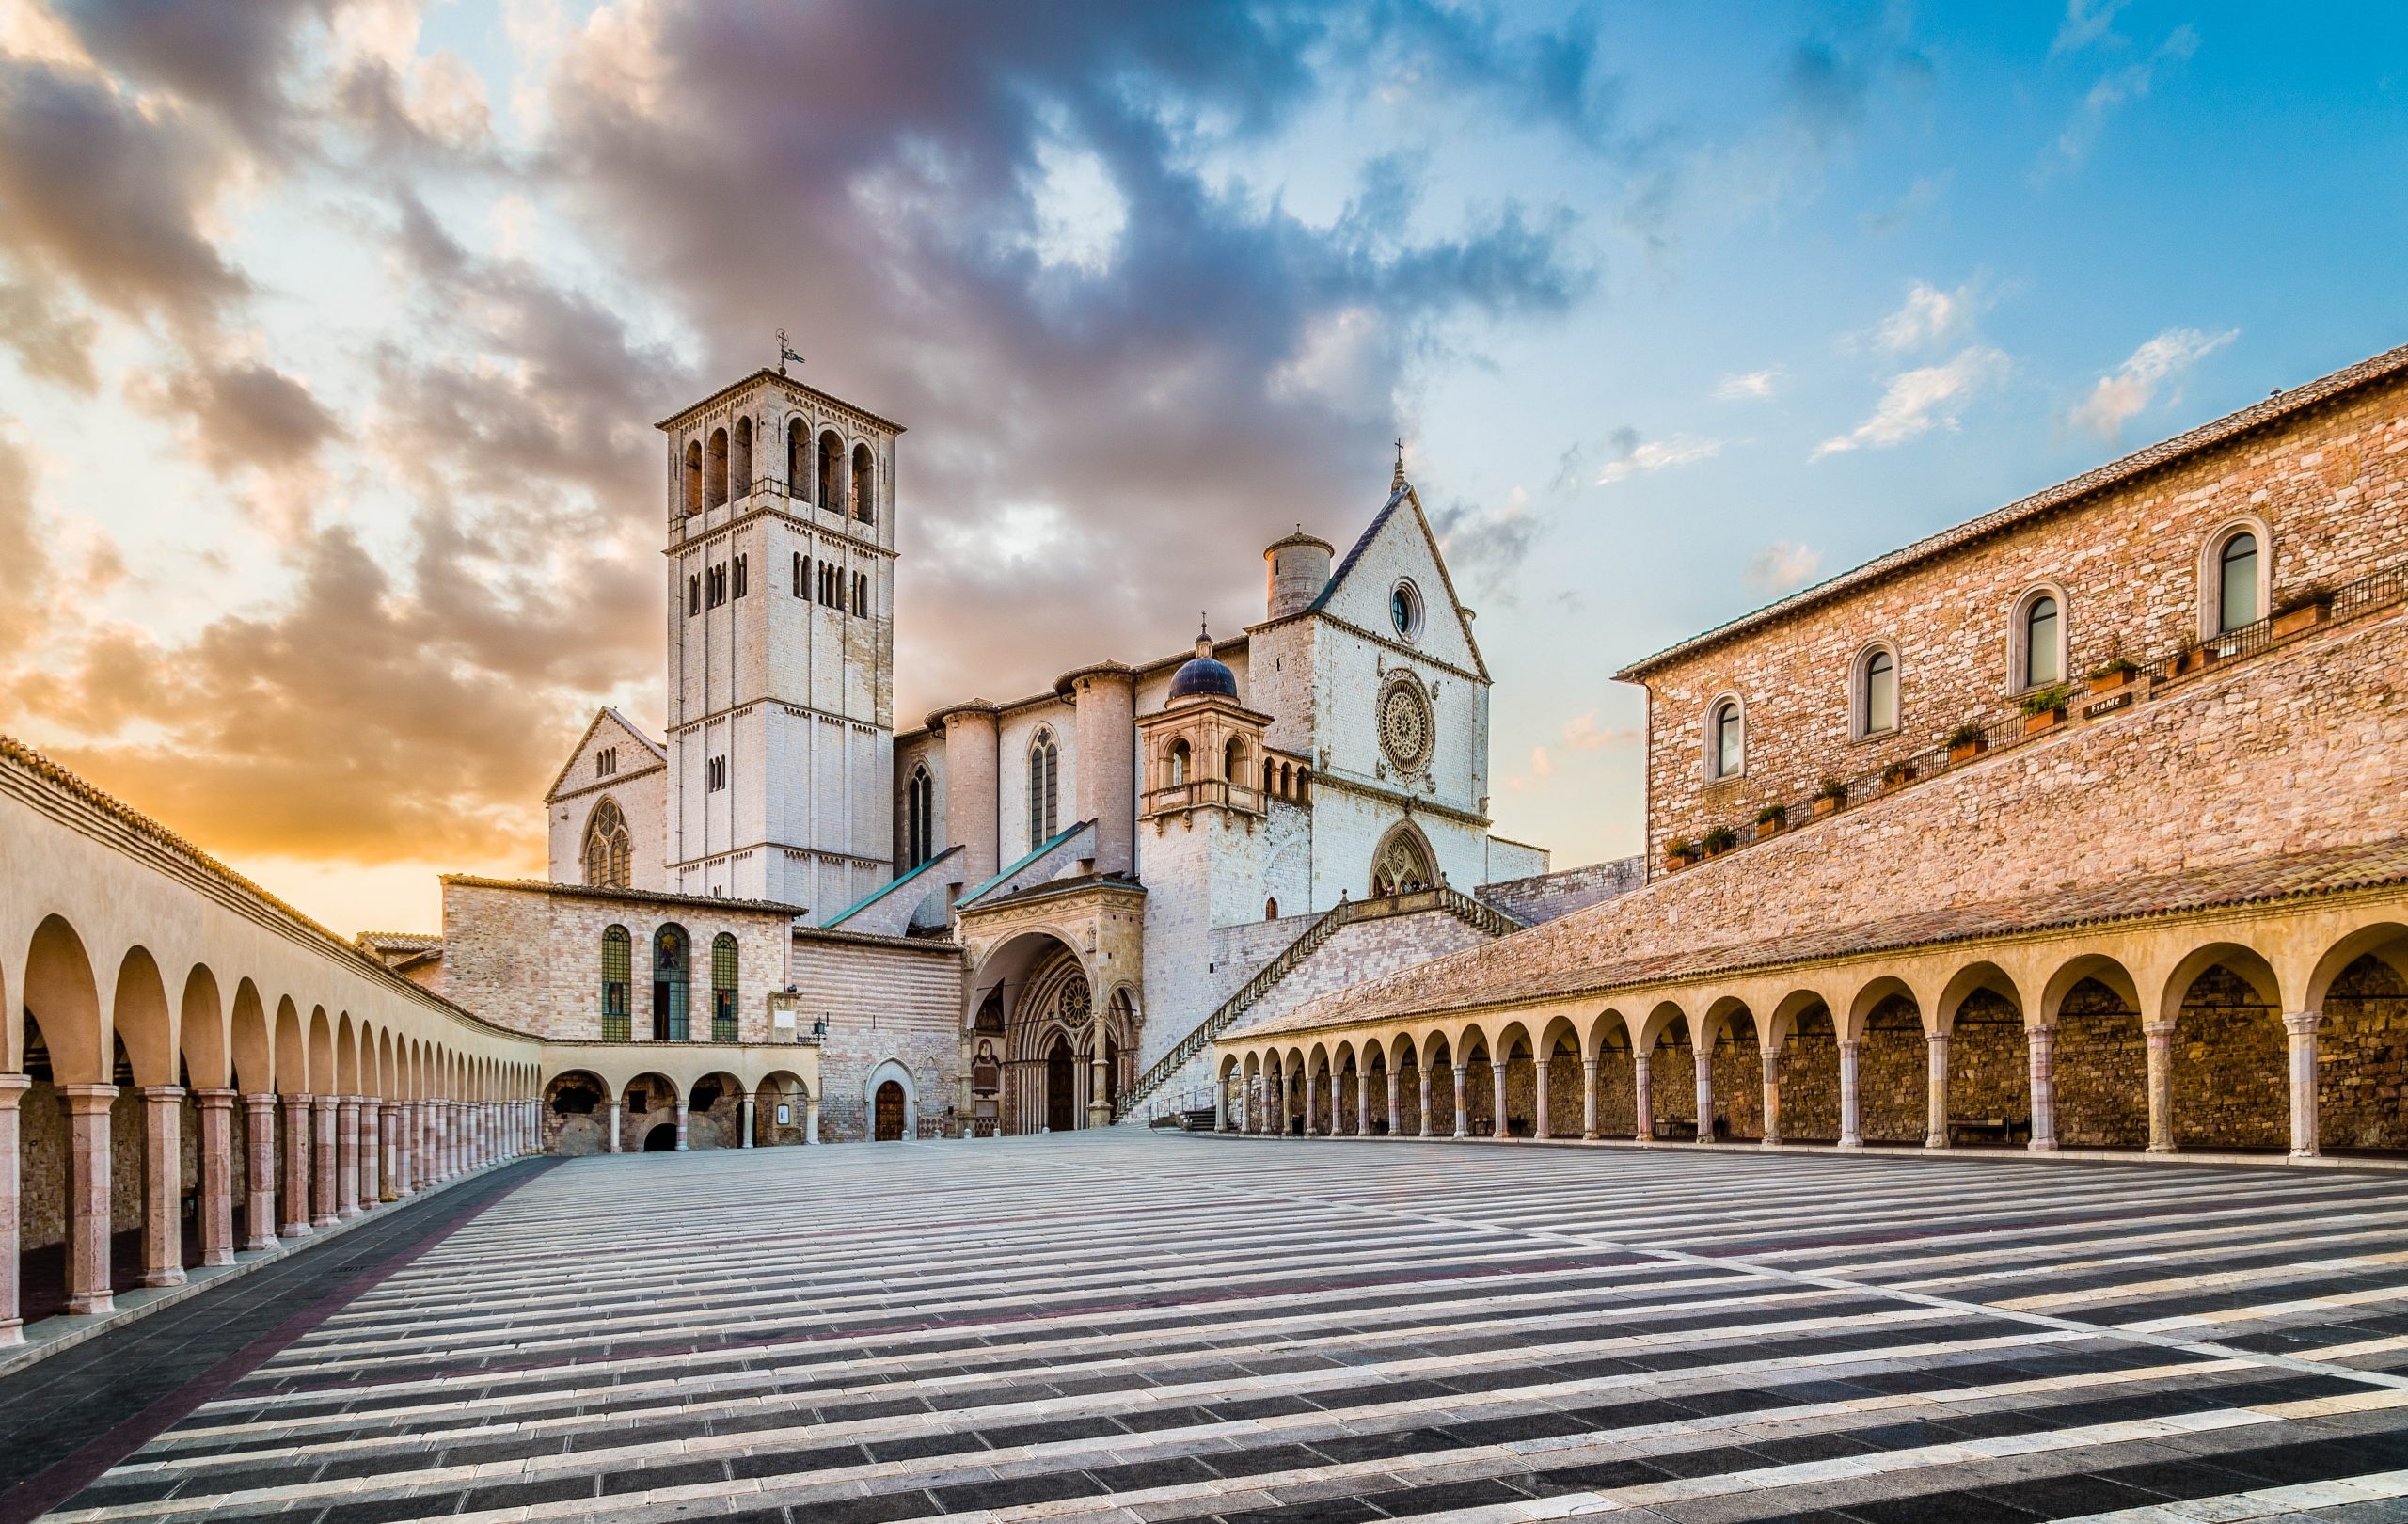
(1748, 387)
(1919, 399)
(52, 340)
(24, 559)
(1927, 319)
(249, 415)
(230, 57)
(1582, 733)
(2131, 82)
(1783, 567)
(2086, 22)
(1486, 550)
(1636, 457)
(2133, 386)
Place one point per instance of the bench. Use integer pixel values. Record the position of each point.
(2002, 1129)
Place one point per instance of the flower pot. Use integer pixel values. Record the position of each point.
(1766, 829)
(1961, 753)
(1893, 781)
(2107, 682)
(2035, 723)
(2306, 616)
(1826, 805)
(1674, 862)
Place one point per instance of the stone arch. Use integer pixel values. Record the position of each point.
(1403, 861)
(346, 1055)
(647, 1102)
(1609, 1043)
(1980, 1013)
(201, 1029)
(253, 1049)
(891, 1072)
(1733, 1045)
(2359, 986)
(715, 1111)
(63, 997)
(577, 1113)
(2092, 1004)
(2228, 1063)
(1667, 1043)
(1806, 1036)
(138, 1014)
(741, 459)
(292, 1050)
(1044, 996)
(715, 470)
(865, 484)
(781, 1087)
(320, 1068)
(1560, 1044)
(1406, 1071)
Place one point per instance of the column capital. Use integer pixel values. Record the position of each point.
(1850, 1044)
(12, 1090)
(2302, 1022)
(214, 1096)
(159, 1092)
(87, 1097)
(2163, 1028)
(1935, 1036)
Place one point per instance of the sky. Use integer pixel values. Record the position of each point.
(333, 333)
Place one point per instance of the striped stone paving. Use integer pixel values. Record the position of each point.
(1163, 1328)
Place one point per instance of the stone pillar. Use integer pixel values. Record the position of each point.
(611, 1141)
(1463, 1099)
(1851, 1115)
(1429, 1123)
(1642, 1099)
(295, 1195)
(162, 1164)
(13, 1092)
(216, 1113)
(2300, 1026)
(259, 1192)
(88, 1194)
(1771, 1058)
(680, 1113)
(348, 1156)
(1395, 1104)
(324, 1209)
(1363, 1102)
(1221, 1105)
(1935, 1089)
(2160, 1086)
(1539, 1117)
(400, 1118)
(1336, 1102)
(428, 1169)
(1497, 1087)
(1701, 1065)
(811, 1119)
(1589, 1099)
(372, 1160)
(744, 1122)
(1099, 1090)
(1312, 1111)
(2040, 1052)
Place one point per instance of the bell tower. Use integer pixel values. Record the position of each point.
(780, 556)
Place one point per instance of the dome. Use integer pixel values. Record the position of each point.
(1203, 677)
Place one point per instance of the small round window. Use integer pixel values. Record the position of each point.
(1404, 611)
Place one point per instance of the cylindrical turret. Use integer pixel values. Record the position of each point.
(969, 785)
(1106, 696)
(1299, 570)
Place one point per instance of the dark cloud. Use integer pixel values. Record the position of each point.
(250, 417)
(1485, 548)
(231, 57)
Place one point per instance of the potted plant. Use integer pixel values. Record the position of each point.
(2302, 610)
(1771, 820)
(2044, 707)
(2111, 673)
(1719, 840)
(1830, 796)
(1895, 776)
(1965, 743)
(1679, 855)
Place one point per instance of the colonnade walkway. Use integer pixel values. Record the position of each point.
(1096, 1326)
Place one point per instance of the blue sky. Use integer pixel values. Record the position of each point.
(331, 335)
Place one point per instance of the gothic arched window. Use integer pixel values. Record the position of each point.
(798, 459)
(1044, 788)
(668, 974)
(693, 476)
(832, 460)
(865, 500)
(618, 972)
(607, 846)
(715, 470)
(919, 818)
(740, 467)
(1176, 769)
(724, 987)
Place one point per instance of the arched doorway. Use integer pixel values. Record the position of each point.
(662, 1139)
(1032, 991)
(887, 1114)
(1061, 1100)
(1404, 864)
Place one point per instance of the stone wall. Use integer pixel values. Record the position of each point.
(1547, 895)
(2328, 485)
(881, 1000)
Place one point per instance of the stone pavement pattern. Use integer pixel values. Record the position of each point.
(1101, 1325)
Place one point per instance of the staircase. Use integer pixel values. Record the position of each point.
(1477, 914)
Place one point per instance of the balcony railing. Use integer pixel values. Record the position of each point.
(1202, 791)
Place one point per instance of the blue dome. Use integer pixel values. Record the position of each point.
(1203, 677)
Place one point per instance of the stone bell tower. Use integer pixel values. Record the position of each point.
(781, 646)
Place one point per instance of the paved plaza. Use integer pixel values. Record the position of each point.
(1165, 1328)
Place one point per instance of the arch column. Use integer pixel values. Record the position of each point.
(2041, 1053)
(1768, 1057)
(259, 1195)
(1589, 1099)
(1312, 1095)
(163, 1158)
(216, 1107)
(401, 1117)
(1362, 1101)
(88, 1177)
(1702, 1064)
(348, 1156)
(1643, 1091)
(1497, 1087)
(371, 1161)
(610, 1142)
(295, 1195)
(811, 1119)
(681, 1123)
(1396, 1102)
(1463, 1101)
(1539, 1117)
(1337, 1102)
(388, 1152)
(1429, 1123)
(13, 1092)
(2299, 1030)
(1935, 1089)
(325, 1161)
(744, 1123)
(1851, 1111)
(2160, 1086)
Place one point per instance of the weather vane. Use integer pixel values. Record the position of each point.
(785, 354)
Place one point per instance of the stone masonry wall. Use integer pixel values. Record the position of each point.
(881, 1002)
(2331, 485)
(1547, 895)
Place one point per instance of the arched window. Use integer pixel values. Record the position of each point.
(2237, 590)
(865, 499)
(693, 476)
(1726, 741)
(1233, 761)
(1178, 765)
(1271, 909)
(799, 568)
(1401, 866)
(798, 459)
(669, 984)
(919, 818)
(607, 843)
(715, 470)
(693, 595)
(1877, 692)
(832, 460)
(1044, 788)
(618, 973)
(741, 467)
(1270, 777)
(860, 593)
(2040, 656)
(724, 987)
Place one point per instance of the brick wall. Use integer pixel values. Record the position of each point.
(881, 1002)
(2327, 484)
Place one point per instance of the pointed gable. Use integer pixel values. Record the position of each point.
(637, 755)
(1400, 543)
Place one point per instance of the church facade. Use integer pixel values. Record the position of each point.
(1113, 853)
